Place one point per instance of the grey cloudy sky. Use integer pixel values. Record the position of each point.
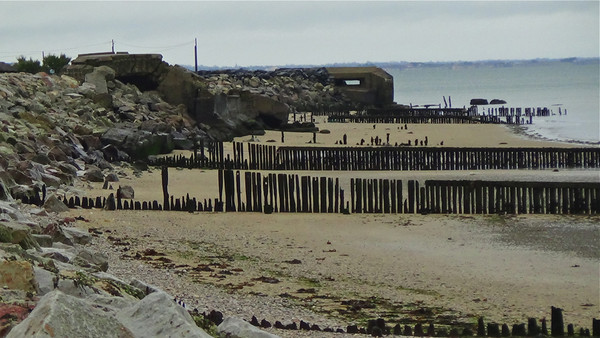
(307, 32)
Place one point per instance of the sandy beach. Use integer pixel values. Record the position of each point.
(335, 270)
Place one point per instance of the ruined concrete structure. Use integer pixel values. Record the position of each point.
(142, 70)
(258, 103)
(370, 86)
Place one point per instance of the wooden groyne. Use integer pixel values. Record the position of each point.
(279, 192)
(269, 157)
(415, 119)
(446, 115)
(489, 197)
(432, 158)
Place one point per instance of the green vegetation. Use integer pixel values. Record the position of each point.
(133, 291)
(206, 325)
(311, 282)
(55, 64)
(188, 254)
(5, 235)
(82, 279)
(51, 64)
(28, 66)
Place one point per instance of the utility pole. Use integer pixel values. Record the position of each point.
(196, 54)
(113, 45)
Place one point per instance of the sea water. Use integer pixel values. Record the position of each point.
(571, 86)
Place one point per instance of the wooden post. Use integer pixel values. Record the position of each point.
(323, 193)
(305, 190)
(557, 324)
(330, 195)
(239, 190)
(165, 183)
(411, 196)
(292, 196)
(315, 195)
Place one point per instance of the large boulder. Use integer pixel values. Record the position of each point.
(93, 174)
(233, 327)
(17, 233)
(45, 280)
(17, 275)
(157, 315)
(53, 204)
(99, 77)
(94, 261)
(138, 144)
(61, 315)
(77, 236)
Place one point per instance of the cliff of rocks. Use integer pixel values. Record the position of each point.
(54, 128)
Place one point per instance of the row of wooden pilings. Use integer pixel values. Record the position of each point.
(379, 327)
(271, 192)
(270, 157)
(517, 111)
(415, 119)
(478, 119)
(206, 154)
(422, 158)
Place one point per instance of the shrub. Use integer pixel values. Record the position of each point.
(55, 64)
(28, 66)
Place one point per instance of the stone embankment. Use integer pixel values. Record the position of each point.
(306, 89)
(53, 284)
(57, 132)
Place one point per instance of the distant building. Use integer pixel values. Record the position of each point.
(7, 68)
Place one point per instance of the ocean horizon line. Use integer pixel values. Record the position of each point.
(407, 64)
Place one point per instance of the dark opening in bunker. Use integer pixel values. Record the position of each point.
(270, 121)
(142, 82)
(348, 82)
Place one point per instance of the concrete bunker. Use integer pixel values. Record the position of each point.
(369, 86)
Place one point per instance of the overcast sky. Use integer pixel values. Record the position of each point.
(308, 32)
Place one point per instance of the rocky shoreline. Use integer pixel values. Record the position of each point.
(57, 132)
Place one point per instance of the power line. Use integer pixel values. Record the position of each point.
(51, 50)
(187, 43)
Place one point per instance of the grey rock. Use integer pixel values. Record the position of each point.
(112, 177)
(53, 204)
(41, 158)
(138, 143)
(181, 142)
(94, 174)
(45, 279)
(77, 236)
(110, 302)
(45, 241)
(61, 315)
(94, 261)
(145, 287)
(73, 288)
(17, 233)
(127, 192)
(233, 327)
(57, 255)
(99, 77)
(157, 315)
